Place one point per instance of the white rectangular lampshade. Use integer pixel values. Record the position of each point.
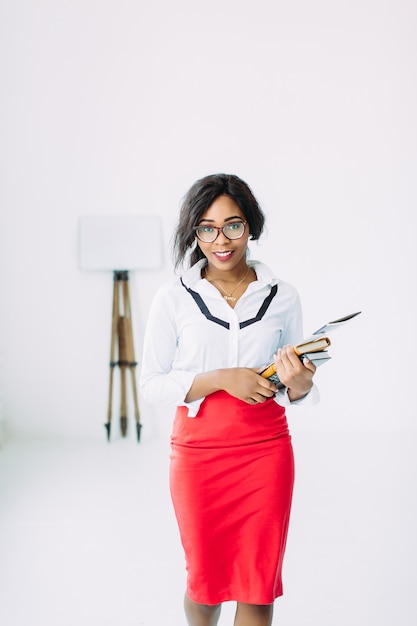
(108, 242)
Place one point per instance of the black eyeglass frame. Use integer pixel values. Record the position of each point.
(221, 228)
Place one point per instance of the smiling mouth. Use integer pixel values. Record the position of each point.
(223, 255)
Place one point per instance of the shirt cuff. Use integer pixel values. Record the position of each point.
(184, 381)
(310, 399)
(193, 407)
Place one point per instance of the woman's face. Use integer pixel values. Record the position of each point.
(224, 254)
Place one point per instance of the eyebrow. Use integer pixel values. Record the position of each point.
(233, 217)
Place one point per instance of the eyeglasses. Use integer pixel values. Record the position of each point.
(208, 234)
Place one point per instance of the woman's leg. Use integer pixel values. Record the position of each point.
(201, 614)
(254, 614)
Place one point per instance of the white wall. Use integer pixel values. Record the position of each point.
(116, 108)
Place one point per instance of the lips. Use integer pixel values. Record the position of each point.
(223, 256)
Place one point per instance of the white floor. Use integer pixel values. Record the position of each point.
(88, 538)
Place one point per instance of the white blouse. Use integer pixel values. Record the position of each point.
(191, 329)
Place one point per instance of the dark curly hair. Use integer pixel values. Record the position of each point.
(199, 198)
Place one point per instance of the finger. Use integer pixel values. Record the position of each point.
(309, 365)
(282, 362)
(289, 357)
(259, 398)
(266, 387)
(265, 382)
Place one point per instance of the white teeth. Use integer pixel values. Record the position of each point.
(223, 253)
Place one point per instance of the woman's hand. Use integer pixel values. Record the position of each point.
(293, 373)
(246, 384)
(241, 382)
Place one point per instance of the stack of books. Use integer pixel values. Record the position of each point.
(314, 348)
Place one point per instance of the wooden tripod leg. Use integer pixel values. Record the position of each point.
(123, 402)
(135, 401)
(130, 353)
(123, 363)
(113, 363)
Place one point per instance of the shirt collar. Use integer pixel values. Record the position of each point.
(192, 277)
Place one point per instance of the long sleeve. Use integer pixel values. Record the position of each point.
(159, 382)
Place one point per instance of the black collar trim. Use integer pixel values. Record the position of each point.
(205, 310)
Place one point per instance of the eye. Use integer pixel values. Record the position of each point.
(206, 229)
(234, 226)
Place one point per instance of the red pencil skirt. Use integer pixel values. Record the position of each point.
(231, 481)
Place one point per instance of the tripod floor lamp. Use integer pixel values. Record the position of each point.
(121, 244)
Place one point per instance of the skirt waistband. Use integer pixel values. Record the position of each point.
(226, 421)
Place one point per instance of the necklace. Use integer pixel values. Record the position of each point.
(227, 296)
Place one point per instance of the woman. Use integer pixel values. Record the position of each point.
(209, 334)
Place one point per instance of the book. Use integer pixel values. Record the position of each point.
(331, 326)
(313, 345)
(313, 348)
